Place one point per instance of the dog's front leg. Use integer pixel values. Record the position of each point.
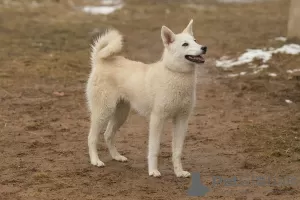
(155, 130)
(179, 131)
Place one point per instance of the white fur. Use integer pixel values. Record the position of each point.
(159, 91)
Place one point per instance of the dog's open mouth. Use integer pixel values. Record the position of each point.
(195, 59)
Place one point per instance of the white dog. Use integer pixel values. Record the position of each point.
(161, 91)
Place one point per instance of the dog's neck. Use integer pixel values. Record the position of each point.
(176, 66)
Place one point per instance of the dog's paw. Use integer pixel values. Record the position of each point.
(97, 163)
(154, 173)
(120, 158)
(184, 174)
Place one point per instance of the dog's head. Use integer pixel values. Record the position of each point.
(182, 48)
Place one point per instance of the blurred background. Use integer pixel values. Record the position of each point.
(246, 122)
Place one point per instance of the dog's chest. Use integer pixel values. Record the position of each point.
(176, 98)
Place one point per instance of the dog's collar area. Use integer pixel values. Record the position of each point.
(195, 59)
(185, 72)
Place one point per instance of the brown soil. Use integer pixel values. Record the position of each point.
(241, 126)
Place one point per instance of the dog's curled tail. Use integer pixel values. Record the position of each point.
(108, 44)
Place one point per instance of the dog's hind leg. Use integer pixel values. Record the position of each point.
(119, 117)
(99, 119)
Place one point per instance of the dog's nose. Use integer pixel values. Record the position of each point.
(204, 49)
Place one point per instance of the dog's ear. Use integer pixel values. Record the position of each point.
(189, 28)
(167, 35)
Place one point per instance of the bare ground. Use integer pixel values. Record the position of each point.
(241, 126)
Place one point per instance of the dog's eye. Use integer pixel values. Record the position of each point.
(185, 44)
(195, 40)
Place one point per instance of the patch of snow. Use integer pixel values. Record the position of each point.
(252, 54)
(252, 66)
(290, 71)
(232, 75)
(288, 101)
(235, 75)
(272, 74)
(109, 6)
(257, 71)
(225, 63)
(104, 10)
(282, 39)
(292, 49)
(110, 2)
(247, 57)
(263, 66)
(259, 68)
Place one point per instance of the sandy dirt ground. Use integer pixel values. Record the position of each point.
(241, 126)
